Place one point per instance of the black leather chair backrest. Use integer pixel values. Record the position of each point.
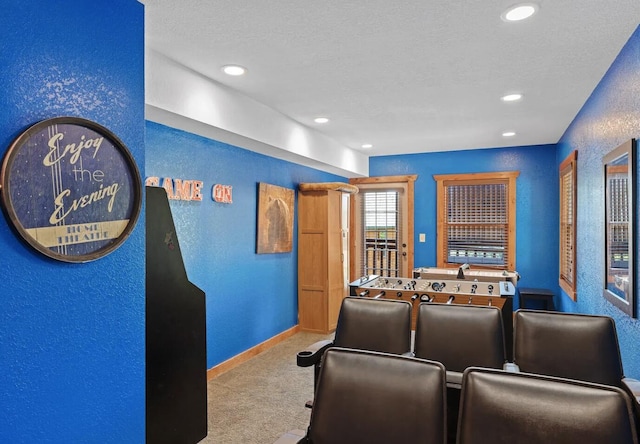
(378, 398)
(382, 325)
(460, 336)
(524, 408)
(568, 345)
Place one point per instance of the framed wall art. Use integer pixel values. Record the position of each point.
(275, 219)
(71, 189)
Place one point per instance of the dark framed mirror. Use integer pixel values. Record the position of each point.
(620, 236)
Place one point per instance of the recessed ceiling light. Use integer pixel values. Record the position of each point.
(234, 70)
(508, 134)
(519, 12)
(511, 97)
(321, 120)
(367, 145)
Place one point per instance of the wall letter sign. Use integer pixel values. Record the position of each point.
(222, 193)
(178, 189)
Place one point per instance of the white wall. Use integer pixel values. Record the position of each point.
(181, 98)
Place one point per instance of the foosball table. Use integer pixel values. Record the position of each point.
(445, 291)
(464, 272)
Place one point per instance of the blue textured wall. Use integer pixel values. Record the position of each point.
(610, 117)
(536, 202)
(72, 335)
(250, 297)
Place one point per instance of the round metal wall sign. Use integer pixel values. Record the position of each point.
(71, 188)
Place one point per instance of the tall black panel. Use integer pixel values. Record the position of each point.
(176, 361)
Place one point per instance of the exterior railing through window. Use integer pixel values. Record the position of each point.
(381, 257)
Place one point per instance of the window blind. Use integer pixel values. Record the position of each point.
(567, 221)
(477, 223)
(618, 224)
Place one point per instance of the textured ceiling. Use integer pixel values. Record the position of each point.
(406, 76)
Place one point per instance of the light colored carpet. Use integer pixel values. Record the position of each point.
(262, 398)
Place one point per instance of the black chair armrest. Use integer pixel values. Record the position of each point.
(313, 353)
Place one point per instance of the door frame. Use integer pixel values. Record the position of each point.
(407, 182)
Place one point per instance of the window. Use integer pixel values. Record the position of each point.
(477, 219)
(382, 229)
(568, 193)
